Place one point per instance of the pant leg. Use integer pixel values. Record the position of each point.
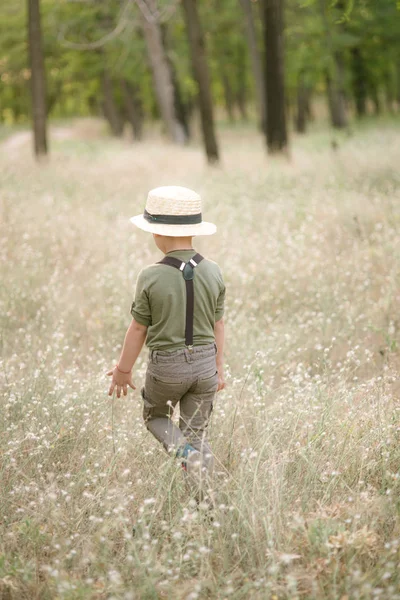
(160, 394)
(196, 407)
(195, 410)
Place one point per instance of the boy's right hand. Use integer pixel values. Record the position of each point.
(120, 381)
(221, 380)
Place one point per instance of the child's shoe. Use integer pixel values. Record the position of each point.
(184, 454)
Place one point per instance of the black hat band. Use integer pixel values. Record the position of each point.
(173, 219)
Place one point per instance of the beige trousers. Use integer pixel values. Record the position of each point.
(186, 377)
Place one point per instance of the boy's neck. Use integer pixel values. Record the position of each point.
(174, 244)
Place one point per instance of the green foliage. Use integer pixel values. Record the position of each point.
(82, 39)
(319, 29)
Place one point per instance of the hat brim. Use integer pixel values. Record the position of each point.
(202, 228)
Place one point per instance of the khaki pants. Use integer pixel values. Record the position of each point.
(189, 378)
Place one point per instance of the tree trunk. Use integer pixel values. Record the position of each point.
(256, 62)
(336, 104)
(202, 77)
(241, 100)
(38, 79)
(398, 84)
(228, 95)
(302, 100)
(375, 99)
(341, 96)
(309, 109)
(181, 111)
(335, 75)
(390, 93)
(180, 107)
(240, 74)
(276, 129)
(289, 106)
(359, 80)
(110, 108)
(161, 71)
(133, 108)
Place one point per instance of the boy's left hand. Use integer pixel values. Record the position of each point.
(120, 381)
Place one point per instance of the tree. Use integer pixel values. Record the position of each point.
(302, 104)
(359, 80)
(181, 110)
(133, 108)
(110, 107)
(256, 62)
(276, 130)
(335, 70)
(202, 77)
(162, 76)
(351, 49)
(38, 79)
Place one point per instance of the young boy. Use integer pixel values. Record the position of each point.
(178, 311)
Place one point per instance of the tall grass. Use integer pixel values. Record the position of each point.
(307, 432)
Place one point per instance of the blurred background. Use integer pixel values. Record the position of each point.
(184, 65)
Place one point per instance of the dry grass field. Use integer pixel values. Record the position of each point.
(307, 432)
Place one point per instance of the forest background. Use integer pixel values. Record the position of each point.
(137, 61)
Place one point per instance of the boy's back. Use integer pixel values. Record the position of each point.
(160, 302)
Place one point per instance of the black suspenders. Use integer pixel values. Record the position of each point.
(188, 275)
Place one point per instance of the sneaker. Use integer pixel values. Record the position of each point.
(184, 452)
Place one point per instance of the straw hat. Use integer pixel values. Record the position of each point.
(173, 211)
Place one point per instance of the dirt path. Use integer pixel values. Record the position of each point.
(22, 138)
(16, 140)
(78, 129)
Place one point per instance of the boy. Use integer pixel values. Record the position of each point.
(178, 310)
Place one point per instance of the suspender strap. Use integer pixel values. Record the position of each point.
(172, 262)
(189, 311)
(187, 270)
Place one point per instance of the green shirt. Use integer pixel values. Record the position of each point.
(160, 303)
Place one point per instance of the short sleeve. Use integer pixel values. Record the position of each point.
(140, 309)
(219, 310)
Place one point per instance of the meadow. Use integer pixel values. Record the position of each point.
(306, 434)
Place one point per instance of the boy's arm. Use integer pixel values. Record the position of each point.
(219, 333)
(122, 372)
(133, 343)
